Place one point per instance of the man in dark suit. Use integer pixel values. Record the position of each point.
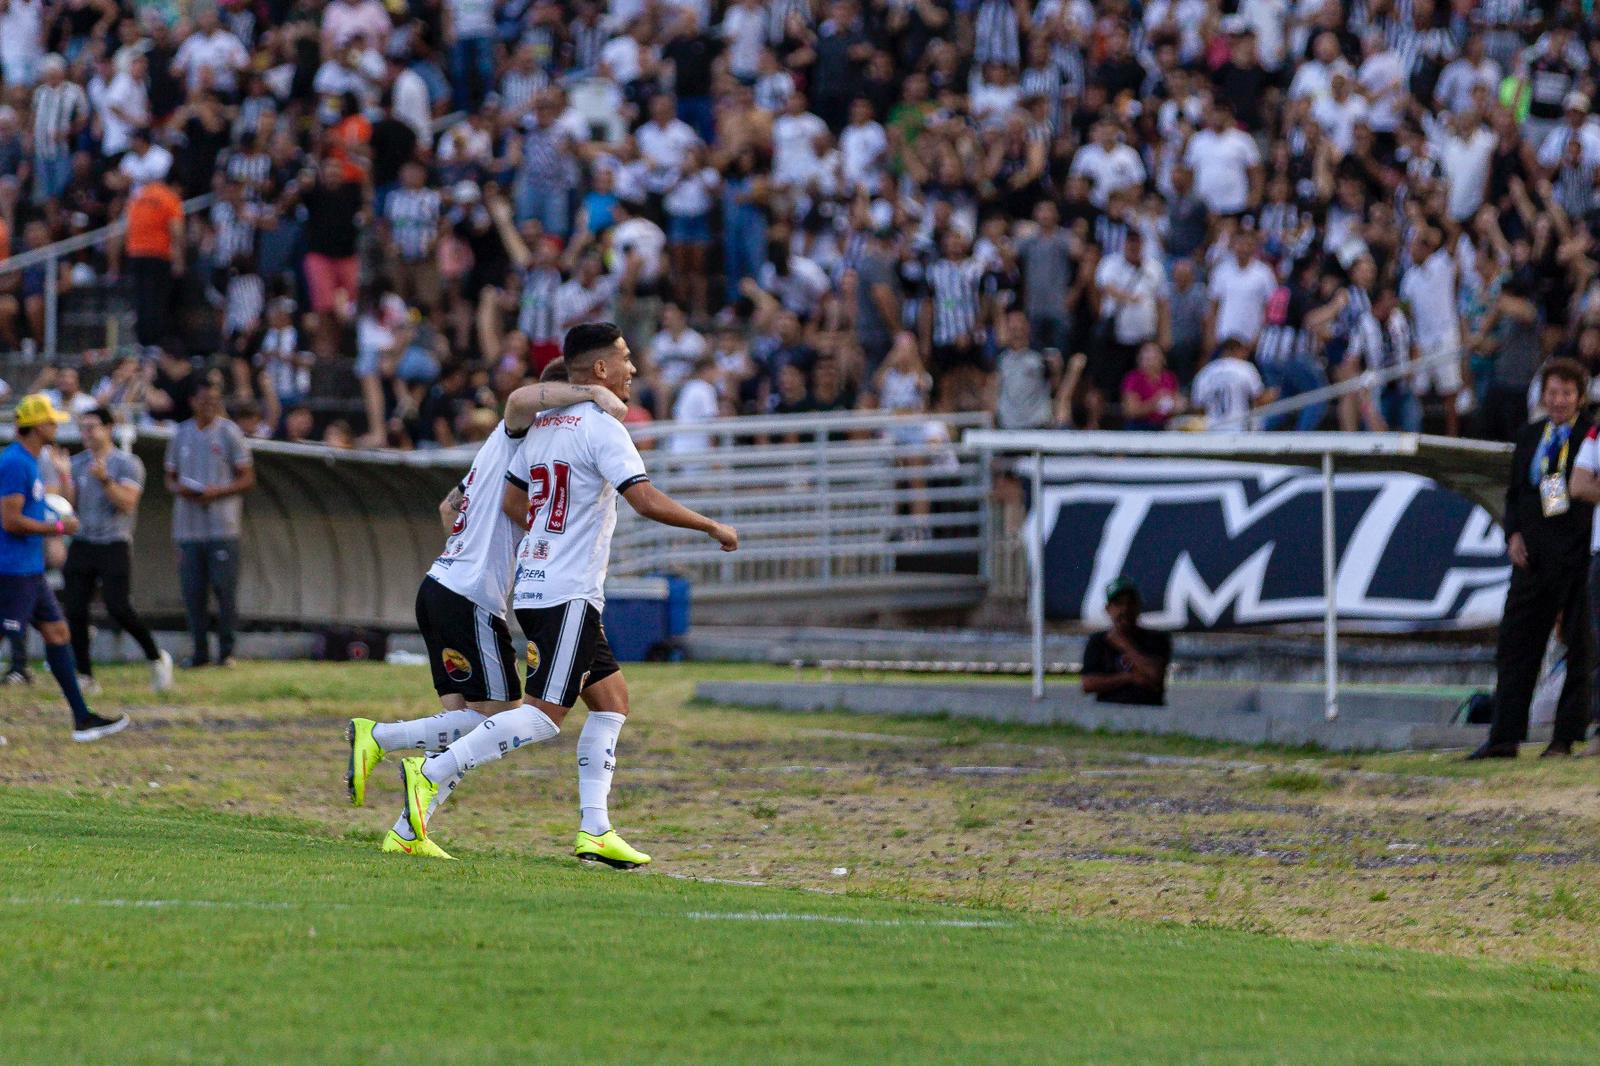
(1547, 536)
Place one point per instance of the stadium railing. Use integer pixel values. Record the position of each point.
(837, 514)
(50, 257)
(828, 525)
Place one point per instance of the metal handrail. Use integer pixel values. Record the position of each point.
(805, 424)
(68, 245)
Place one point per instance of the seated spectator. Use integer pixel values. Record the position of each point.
(1127, 663)
(1150, 395)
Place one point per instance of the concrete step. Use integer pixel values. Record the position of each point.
(1261, 714)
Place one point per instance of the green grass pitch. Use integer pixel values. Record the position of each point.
(231, 914)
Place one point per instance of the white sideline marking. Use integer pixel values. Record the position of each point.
(837, 919)
(73, 901)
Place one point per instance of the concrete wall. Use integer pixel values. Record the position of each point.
(329, 538)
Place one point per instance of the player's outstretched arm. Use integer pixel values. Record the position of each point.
(526, 402)
(650, 502)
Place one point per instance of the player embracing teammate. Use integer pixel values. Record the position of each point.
(555, 515)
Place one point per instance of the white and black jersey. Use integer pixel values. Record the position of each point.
(413, 217)
(479, 554)
(995, 33)
(537, 311)
(574, 465)
(55, 109)
(250, 169)
(953, 285)
(1227, 389)
(461, 606)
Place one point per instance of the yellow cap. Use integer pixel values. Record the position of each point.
(36, 410)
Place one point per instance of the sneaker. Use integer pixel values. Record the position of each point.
(419, 792)
(19, 677)
(94, 727)
(161, 672)
(365, 753)
(420, 846)
(608, 848)
(88, 685)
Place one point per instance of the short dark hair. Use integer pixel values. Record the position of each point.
(101, 414)
(584, 343)
(555, 371)
(1564, 369)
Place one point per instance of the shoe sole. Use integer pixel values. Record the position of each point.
(84, 736)
(350, 770)
(615, 864)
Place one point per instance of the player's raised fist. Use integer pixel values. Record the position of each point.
(726, 536)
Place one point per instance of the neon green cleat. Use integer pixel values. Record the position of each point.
(419, 794)
(421, 846)
(365, 755)
(609, 849)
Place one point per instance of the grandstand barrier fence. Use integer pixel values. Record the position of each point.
(829, 510)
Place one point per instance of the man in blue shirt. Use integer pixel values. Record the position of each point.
(25, 520)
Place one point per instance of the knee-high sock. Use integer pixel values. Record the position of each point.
(505, 732)
(597, 761)
(65, 669)
(430, 734)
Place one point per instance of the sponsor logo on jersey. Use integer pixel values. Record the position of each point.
(546, 421)
(533, 656)
(541, 550)
(456, 666)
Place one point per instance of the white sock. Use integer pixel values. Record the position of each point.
(505, 732)
(428, 734)
(597, 761)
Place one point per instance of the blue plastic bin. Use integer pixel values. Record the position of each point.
(637, 617)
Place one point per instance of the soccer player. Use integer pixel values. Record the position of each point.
(461, 605)
(562, 488)
(25, 597)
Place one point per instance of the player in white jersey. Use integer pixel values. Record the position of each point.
(562, 487)
(461, 605)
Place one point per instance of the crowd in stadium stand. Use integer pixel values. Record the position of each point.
(1118, 213)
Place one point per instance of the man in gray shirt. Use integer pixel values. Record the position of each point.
(877, 299)
(208, 470)
(1027, 380)
(105, 488)
(1046, 262)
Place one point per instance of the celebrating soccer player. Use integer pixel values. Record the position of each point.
(461, 606)
(563, 485)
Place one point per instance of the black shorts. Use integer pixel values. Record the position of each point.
(28, 600)
(567, 650)
(469, 649)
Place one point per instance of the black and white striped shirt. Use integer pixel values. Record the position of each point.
(235, 229)
(1046, 82)
(587, 42)
(995, 34)
(250, 170)
(517, 90)
(1415, 47)
(413, 217)
(536, 308)
(1069, 58)
(1109, 235)
(55, 109)
(244, 301)
(954, 285)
